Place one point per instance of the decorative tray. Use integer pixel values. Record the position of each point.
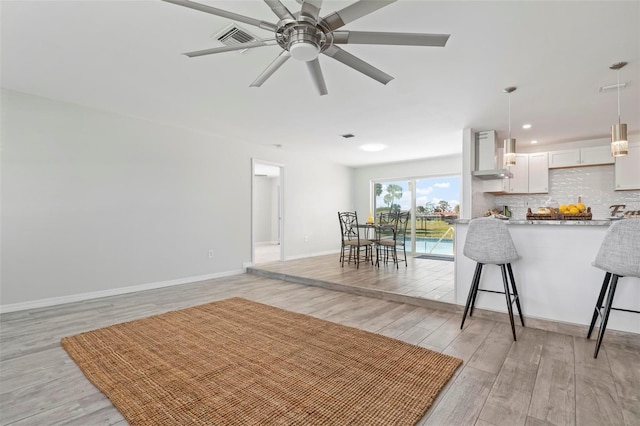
(542, 216)
(586, 215)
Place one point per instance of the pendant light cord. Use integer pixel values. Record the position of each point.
(510, 112)
(618, 78)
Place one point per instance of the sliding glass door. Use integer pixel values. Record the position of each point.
(434, 204)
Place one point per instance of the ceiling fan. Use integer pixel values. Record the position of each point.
(304, 35)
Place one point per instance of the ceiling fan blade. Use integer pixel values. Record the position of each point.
(403, 39)
(279, 9)
(273, 67)
(357, 64)
(311, 9)
(354, 11)
(316, 76)
(222, 49)
(225, 14)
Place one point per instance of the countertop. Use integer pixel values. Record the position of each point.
(594, 222)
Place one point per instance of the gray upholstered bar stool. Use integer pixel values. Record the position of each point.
(489, 242)
(619, 256)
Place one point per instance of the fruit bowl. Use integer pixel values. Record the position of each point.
(576, 211)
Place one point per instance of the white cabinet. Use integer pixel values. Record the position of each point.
(627, 169)
(564, 158)
(595, 155)
(539, 173)
(589, 156)
(518, 183)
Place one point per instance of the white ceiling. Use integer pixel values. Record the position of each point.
(125, 56)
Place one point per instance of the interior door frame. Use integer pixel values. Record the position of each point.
(280, 202)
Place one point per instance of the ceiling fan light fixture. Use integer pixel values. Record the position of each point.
(619, 140)
(303, 42)
(304, 50)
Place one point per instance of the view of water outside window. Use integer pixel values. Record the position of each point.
(437, 205)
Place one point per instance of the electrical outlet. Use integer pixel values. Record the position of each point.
(210, 253)
(306, 238)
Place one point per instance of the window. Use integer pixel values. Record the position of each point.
(434, 203)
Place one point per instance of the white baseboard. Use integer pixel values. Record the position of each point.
(42, 303)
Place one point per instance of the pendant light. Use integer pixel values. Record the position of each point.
(619, 141)
(509, 143)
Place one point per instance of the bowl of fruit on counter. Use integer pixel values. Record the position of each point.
(577, 211)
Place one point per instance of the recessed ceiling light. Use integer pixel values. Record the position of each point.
(372, 147)
(526, 126)
(534, 141)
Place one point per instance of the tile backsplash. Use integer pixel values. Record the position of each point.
(594, 184)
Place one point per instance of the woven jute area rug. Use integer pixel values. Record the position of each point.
(237, 362)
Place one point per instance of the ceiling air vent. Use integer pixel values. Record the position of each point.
(233, 35)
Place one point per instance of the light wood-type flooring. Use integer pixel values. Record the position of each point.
(544, 378)
(266, 252)
(419, 278)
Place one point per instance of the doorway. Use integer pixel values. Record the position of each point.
(267, 242)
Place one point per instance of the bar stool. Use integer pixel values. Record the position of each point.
(619, 256)
(489, 242)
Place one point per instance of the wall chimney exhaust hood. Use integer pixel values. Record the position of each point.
(487, 157)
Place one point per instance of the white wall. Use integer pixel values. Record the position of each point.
(321, 190)
(265, 208)
(440, 166)
(94, 202)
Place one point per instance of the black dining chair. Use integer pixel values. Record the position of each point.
(351, 239)
(392, 237)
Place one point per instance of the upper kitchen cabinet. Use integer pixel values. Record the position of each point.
(588, 156)
(519, 183)
(595, 155)
(539, 173)
(627, 169)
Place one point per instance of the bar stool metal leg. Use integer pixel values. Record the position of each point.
(472, 291)
(515, 293)
(607, 311)
(596, 310)
(503, 268)
(475, 291)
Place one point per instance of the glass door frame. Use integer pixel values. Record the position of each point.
(411, 183)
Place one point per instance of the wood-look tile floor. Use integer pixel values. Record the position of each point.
(266, 252)
(421, 278)
(544, 378)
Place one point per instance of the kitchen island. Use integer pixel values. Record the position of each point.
(555, 278)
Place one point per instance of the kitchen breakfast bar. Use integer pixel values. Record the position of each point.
(554, 275)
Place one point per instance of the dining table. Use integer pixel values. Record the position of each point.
(380, 231)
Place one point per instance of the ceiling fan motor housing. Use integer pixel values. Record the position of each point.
(303, 40)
